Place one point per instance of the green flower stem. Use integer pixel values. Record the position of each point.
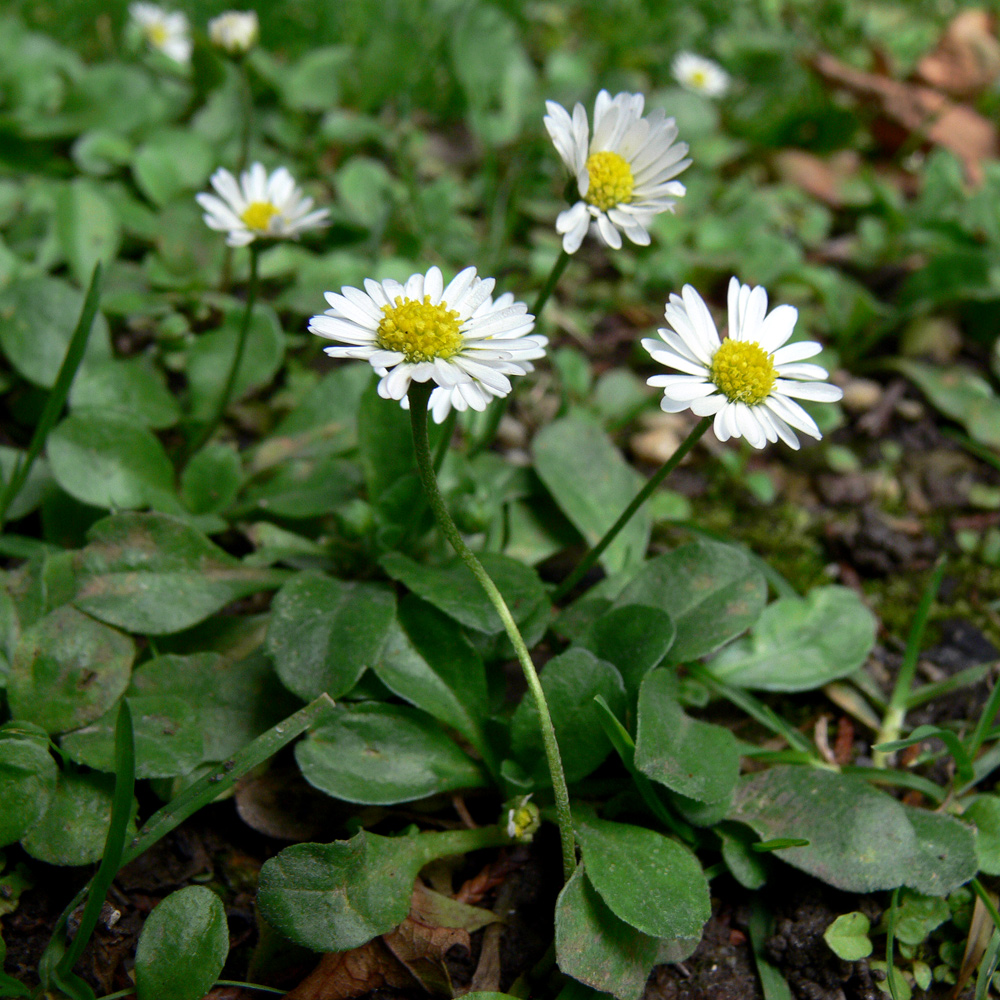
(895, 714)
(550, 284)
(241, 342)
(57, 397)
(641, 497)
(419, 394)
(496, 410)
(246, 97)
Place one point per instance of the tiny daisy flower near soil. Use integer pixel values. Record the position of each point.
(700, 75)
(166, 31)
(258, 206)
(624, 171)
(235, 31)
(749, 379)
(456, 336)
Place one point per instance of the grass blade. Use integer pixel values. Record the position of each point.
(57, 396)
(201, 793)
(114, 845)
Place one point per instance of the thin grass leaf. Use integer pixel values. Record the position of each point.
(963, 765)
(624, 745)
(984, 722)
(778, 844)
(964, 678)
(895, 713)
(991, 958)
(756, 709)
(899, 779)
(890, 944)
(114, 845)
(772, 982)
(201, 793)
(57, 397)
(984, 766)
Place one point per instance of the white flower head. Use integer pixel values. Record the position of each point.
(747, 380)
(624, 171)
(235, 31)
(259, 206)
(700, 75)
(166, 31)
(456, 336)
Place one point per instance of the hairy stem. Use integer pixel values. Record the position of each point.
(418, 395)
(640, 498)
(241, 342)
(486, 429)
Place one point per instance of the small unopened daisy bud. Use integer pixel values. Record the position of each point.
(235, 31)
(521, 819)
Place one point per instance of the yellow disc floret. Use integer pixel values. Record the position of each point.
(743, 371)
(258, 215)
(611, 181)
(419, 330)
(157, 35)
(698, 79)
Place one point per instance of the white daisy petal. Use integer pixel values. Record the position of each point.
(700, 75)
(777, 327)
(798, 351)
(627, 162)
(165, 31)
(801, 371)
(748, 380)
(457, 337)
(820, 392)
(258, 206)
(609, 234)
(708, 405)
(793, 414)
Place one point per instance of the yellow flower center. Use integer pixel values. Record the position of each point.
(699, 79)
(419, 330)
(157, 35)
(743, 371)
(611, 181)
(258, 215)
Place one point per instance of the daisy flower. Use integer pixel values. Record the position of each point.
(422, 331)
(747, 380)
(259, 206)
(166, 31)
(623, 171)
(234, 31)
(701, 75)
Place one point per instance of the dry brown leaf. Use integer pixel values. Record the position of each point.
(823, 179)
(421, 949)
(344, 974)
(967, 59)
(919, 109)
(980, 932)
(278, 803)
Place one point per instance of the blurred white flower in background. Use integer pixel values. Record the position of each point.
(701, 75)
(746, 380)
(235, 31)
(258, 206)
(165, 30)
(456, 336)
(624, 171)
